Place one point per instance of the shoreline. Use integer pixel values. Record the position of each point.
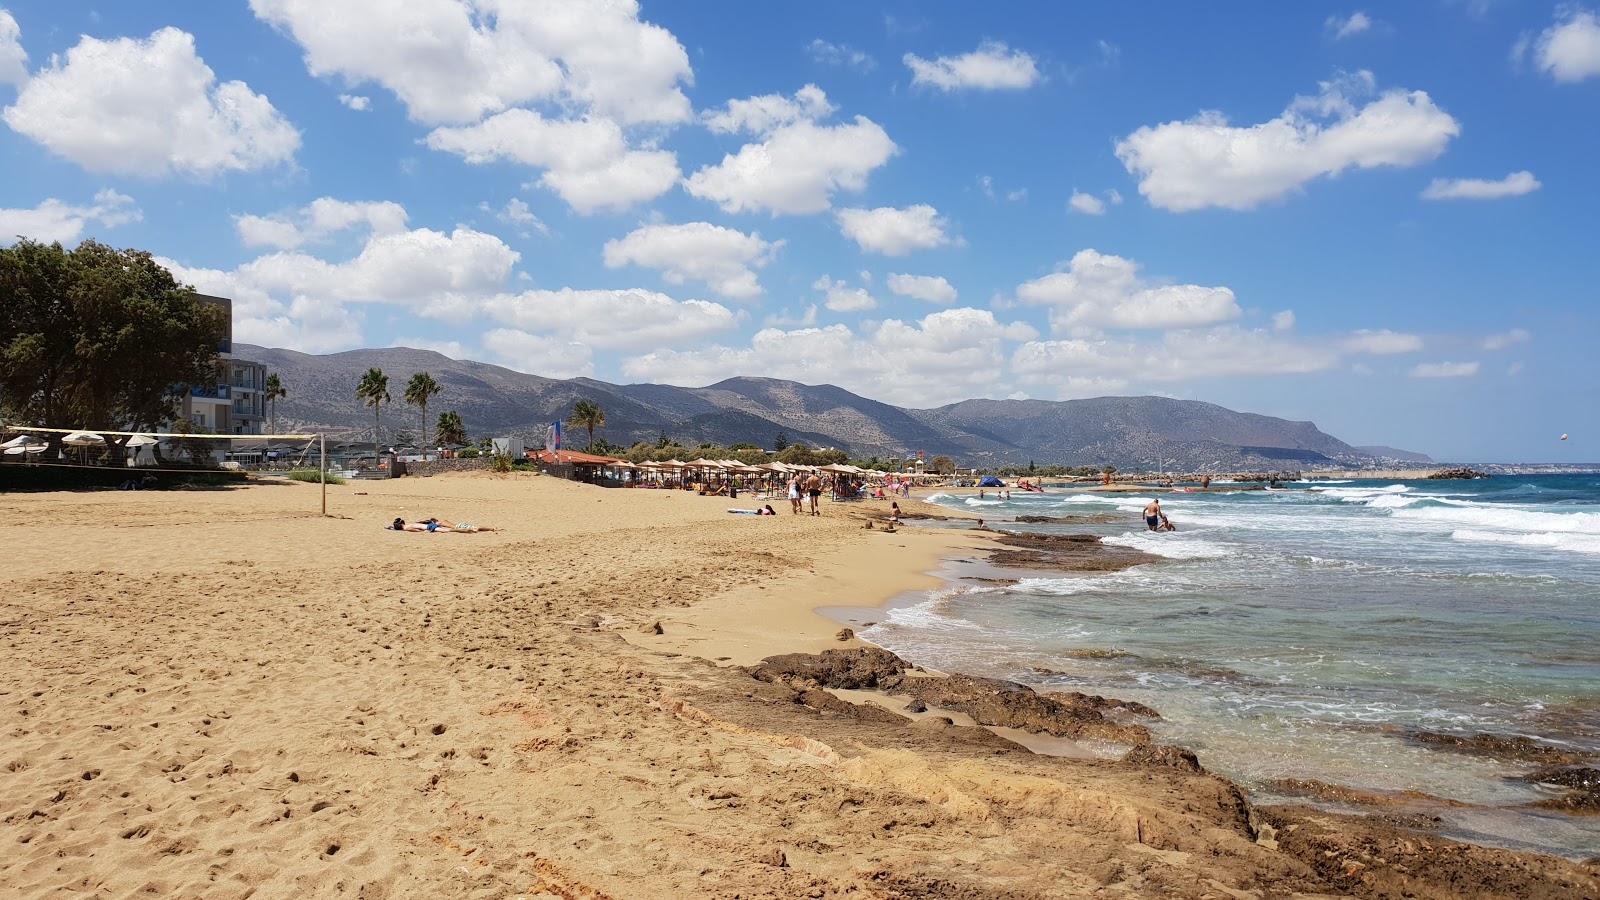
(223, 692)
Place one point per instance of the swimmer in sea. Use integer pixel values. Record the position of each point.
(1152, 515)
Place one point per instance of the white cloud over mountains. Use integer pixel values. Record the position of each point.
(992, 67)
(723, 258)
(1103, 291)
(798, 164)
(1206, 162)
(150, 108)
(53, 220)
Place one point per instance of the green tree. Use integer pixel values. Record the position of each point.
(449, 429)
(373, 391)
(588, 415)
(273, 390)
(943, 465)
(780, 443)
(663, 441)
(418, 390)
(100, 338)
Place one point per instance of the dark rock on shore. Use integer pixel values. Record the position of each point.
(1459, 473)
(1310, 787)
(1168, 755)
(988, 701)
(1065, 553)
(1582, 784)
(1494, 746)
(1095, 519)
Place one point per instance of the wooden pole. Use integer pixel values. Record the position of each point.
(322, 442)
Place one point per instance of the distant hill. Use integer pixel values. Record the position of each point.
(1131, 433)
(1397, 455)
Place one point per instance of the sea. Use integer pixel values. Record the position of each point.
(1310, 632)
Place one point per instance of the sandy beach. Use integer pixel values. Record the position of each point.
(223, 693)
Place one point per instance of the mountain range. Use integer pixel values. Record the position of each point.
(1131, 433)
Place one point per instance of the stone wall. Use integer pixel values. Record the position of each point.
(437, 466)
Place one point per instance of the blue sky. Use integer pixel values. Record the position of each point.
(1381, 219)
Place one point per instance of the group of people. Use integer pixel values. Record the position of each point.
(437, 525)
(807, 487)
(1155, 519)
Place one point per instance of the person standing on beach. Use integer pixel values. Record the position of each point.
(794, 495)
(814, 490)
(1152, 514)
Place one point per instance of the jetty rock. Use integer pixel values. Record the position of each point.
(1459, 473)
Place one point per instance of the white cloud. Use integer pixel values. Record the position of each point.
(1176, 356)
(1088, 204)
(167, 113)
(356, 102)
(1345, 26)
(946, 356)
(932, 288)
(799, 163)
(1513, 185)
(1570, 50)
(317, 221)
(306, 323)
(612, 319)
(1206, 162)
(452, 349)
(769, 112)
(13, 59)
(784, 319)
(894, 232)
(1445, 370)
(1381, 343)
(828, 54)
(517, 213)
(552, 357)
(455, 61)
(1103, 291)
(53, 220)
(1502, 341)
(723, 258)
(993, 66)
(587, 161)
(1283, 321)
(839, 296)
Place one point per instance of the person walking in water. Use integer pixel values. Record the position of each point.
(1152, 514)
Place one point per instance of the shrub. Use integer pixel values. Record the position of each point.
(469, 453)
(313, 476)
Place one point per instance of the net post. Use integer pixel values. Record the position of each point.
(322, 446)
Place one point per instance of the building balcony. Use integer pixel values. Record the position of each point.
(211, 391)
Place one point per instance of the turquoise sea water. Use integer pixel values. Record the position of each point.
(1309, 632)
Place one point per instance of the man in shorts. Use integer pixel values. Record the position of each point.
(1152, 514)
(814, 491)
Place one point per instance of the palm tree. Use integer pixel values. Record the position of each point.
(449, 429)
(373, 391)
(588, 415)
(274, 390)
(421, 387)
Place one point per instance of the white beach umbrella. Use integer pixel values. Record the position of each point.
(142, 440)
(82, 439)
(24, 441)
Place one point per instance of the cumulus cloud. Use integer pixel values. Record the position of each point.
(946, 356)
(166, 113)
(1283, 321)
(587, 161)
(992, 67)
(723, 258)
(1090, 205)
(932, 288)
(455, 61)
(517, 213)
(53, 220)
(356, 102)
(1506, 339)
(1445, 370)
(894, 232)
(536, 354)
(612, 319)
(839, 296)
(1205, 161)
(1103, 291)
(1570, 49)
(317, 221)
(13, 59)
(304, 322)
(798, 164)
(1513, 185)
(1346, 26)
(1185, 355)
(829, 54)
